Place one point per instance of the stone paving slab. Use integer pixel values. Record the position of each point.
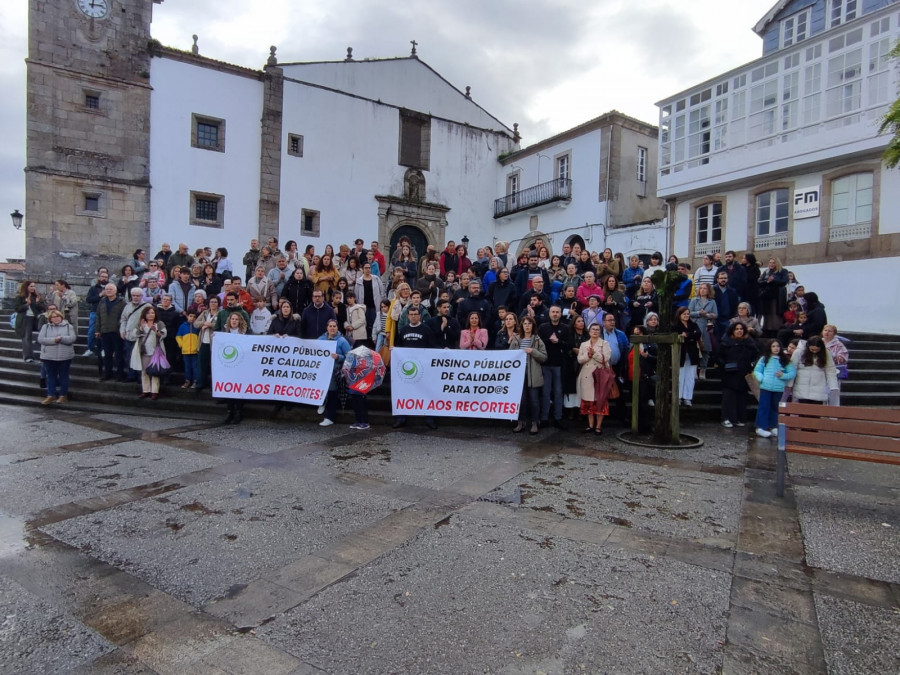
(858, 638)
(842, 470)
(199, 542)
(58, 479)
(477, 596)
(719, 449)
(267, 437)
(147, 423)
(20, 439)
(660, 500)
(36, 636)
(852, 533)
(397, 457)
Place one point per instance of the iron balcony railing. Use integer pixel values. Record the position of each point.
(555, 190)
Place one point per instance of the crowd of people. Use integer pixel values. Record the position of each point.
(571, 313)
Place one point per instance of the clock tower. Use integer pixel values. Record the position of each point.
(87, 179)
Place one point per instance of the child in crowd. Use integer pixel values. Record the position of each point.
(188, 339)
(260, 318)
(791, 313)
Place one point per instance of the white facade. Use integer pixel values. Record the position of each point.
(782, 157)
(573, 185)
(181, 90)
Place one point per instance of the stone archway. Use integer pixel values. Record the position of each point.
(413, 231)
(395, 213)
(576, 239)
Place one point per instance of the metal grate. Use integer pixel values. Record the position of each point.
(207, 209)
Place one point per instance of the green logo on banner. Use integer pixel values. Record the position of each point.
(409, 368)
(230, 353)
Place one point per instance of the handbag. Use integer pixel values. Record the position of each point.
(614, 392)
(842, 372)
(385, 353)
(159, 364)
(752, 385)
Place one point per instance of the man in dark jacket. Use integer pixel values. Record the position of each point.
(314, 319)
(503, 291)
(231, 306)
(558, 340)
(726, 303)
(476, 302)
(537, 289)
(109, 314)
(444, 327)
(532, 270)
(95, 293)
(737, 276)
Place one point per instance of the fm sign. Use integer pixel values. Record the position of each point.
(806, 202)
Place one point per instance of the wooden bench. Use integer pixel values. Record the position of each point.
(864, 434)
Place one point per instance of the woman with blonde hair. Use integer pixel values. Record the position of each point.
(398, 304)
(57, 340)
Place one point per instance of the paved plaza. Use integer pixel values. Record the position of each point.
(137, 543)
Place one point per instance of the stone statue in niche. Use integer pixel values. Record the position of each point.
(414, 182)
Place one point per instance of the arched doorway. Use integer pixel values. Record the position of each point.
(576, 239)
(415, 235)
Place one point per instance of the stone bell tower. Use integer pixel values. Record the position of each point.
(87, 179)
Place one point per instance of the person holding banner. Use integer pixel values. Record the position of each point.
(528, 341)
(415, 334)
(340, 352)
(594, 355)
(285, 323)
(475, 336)
(236, 323)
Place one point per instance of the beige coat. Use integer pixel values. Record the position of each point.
(600, 359)
(534, 374)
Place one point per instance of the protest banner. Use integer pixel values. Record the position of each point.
(457, 383)
(271, 368)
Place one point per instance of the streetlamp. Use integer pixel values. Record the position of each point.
(16, 219)
(465, 242)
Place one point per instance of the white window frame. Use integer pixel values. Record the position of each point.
(856, 198)
(771, 223)
(705, 213)
(842, 11)
(563, 165)
(642, 164)
(795, 28)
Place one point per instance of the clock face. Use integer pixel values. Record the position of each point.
(95, 9)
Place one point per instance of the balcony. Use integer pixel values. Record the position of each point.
(556, 190)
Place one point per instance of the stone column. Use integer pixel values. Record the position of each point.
(270, 154)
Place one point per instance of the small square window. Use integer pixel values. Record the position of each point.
(295, 145)
(92, 101)
(208, 133)
(309, 223)
(91, 204)
(207, 210)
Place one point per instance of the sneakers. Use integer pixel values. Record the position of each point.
(727, 424)
(651, 403)
(359, 426)
(687, 403)
(774, 431)
(740, 424)
(48, 400)
(321, 409)
(326, 423)
(762, 433)
(62, 399)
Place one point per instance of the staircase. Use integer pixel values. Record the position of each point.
(874, 382)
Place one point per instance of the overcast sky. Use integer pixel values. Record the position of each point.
(547, 64)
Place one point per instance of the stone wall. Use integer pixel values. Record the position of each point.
(77, 147)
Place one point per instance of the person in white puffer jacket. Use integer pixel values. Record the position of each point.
(816, 379)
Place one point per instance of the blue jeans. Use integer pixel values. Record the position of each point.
(191, 367)
(91, 338)
(552, 384)
(57, 377)
(767, 410)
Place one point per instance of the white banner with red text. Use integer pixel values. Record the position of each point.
(457, 383)
(271, 368)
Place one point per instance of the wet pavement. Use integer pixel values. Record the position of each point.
(138, 543)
